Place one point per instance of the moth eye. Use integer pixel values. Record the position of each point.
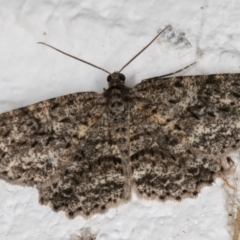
(122, 77)
(109, 78)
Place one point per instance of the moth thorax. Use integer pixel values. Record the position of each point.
(117, 106)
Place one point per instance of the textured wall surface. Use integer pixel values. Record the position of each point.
(108, 33)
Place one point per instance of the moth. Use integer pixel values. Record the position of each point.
(164, 139)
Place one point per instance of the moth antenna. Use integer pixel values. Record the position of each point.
(79, 59)
(143, 49)
(169, 74)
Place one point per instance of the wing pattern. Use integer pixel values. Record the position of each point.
(165, 138)
(180, 129)
(64, 146)
(93, 178)
(34, 139)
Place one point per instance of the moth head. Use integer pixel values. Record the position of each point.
(116, 78)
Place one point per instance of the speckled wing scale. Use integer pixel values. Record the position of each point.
(165, 138)
(93, 177)
(66, 148)
(34, 140)
(184, 126)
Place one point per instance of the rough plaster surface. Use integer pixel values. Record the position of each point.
(108, 33)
